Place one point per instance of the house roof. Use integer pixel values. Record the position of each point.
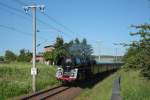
(49, 46)
(39, 55)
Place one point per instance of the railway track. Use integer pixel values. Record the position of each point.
(55, 93)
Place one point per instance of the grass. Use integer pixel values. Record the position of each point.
(101, 91)
(133, 86)
(15, 79)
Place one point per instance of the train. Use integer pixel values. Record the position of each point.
(75, 68)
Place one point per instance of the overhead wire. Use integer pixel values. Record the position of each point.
(19, 31)
(27, 18)
(58, 23)
(20, 2)
(58, 30)
(11, 10)
(14, 29)
(16, 11)
(54, 20)
(51, 18)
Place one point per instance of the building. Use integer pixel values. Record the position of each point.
(40, 58)
(49, 48)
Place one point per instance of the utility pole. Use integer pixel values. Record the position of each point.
(99, 54)
(99, 45)
(116, 52)
(34, 69)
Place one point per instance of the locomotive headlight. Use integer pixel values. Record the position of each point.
(59, 72)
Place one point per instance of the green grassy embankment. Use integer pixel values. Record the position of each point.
(15, 79)
(134, 87)
(101, 91)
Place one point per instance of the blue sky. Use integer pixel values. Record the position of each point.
(101, 22)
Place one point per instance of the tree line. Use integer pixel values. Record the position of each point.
(62, 49)
(138, 54)
(24, 56)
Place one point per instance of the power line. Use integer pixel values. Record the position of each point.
(41, 21)
(12, 8)
(20, 2)
(54, 28)
(54, 20)
(60, 24)
(18, 31)
(14, 29)
(51, 18)
(24, 33)
(12, 12)
(17, 10)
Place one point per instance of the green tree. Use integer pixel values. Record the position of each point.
(86, 49)
(138, 55)
(10, 56)
(59, 42)
(77, 41)
(71, 42)
(84, 41)
(24, 56)
(73, 48)
(145, 62)
(49, 56)
(132, 51)
(1, 58)
(81, 49)
(60, 51)
(59, 54)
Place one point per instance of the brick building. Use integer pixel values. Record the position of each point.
(40, 58)
(49, 48)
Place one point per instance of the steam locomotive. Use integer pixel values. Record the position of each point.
(75, 68)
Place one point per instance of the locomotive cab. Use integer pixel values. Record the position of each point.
(67, 71)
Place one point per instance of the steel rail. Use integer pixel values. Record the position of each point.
(39, 93)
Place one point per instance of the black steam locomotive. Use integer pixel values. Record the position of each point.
(76, 68)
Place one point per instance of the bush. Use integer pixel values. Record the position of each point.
(1, 58)
(145, 63)
(10, 56)
(140, 61)
(24, 56)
